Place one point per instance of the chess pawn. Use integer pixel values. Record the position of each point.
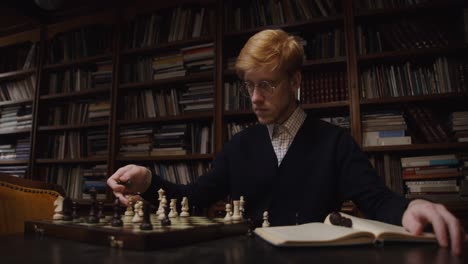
(265, 223)
(185, 207)
(236, 216)
(173, 206)
(137, 218)
(129, 211)
(228, 212)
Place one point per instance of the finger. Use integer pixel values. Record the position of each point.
(440, 228)
(455, 230)
(416, 223)
(128, 174)
(114, 180)
(122, 199)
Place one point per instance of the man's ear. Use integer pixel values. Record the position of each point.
(296, 80)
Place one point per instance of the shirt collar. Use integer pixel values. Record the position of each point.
(292, 124)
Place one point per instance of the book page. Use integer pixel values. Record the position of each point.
(314, 234)
(383, 230)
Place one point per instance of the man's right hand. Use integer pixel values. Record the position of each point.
(130, 179)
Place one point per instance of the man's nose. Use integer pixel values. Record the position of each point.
(257, 96)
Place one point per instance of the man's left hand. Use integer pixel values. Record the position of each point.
(446, 226)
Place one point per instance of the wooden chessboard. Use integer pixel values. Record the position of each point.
(182, 231)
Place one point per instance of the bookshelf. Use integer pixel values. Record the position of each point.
(342, 48)
(18, 82)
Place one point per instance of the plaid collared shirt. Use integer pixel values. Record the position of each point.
(282, 135)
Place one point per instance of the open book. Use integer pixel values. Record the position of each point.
(363, 231)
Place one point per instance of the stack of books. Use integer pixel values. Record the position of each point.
(199, 58)
(198, 97)
(384, 129)
(136, 141)
(181, 172)
(168, 66)
(18, 90)
(99, 111)
(15, 117)
(97, 140)
(233, 99)
(7, 151)
(428, 175)
(95, 177)
(102, 77)
(459, 125)
(170, 140)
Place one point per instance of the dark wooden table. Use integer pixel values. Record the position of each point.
(239, 249)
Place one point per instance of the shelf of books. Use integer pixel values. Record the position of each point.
(18, 68)
(413, 91)
(166, 91)
(74, 107)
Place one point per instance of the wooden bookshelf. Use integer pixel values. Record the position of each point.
(15, 131)
(226, 44)
(73, 127)
(203, 76)
(418, 147)
(415, 98)
(88, 160)
(16, 74)
(168, 158)
(413, 53)
(78, 62)
(13, 162)
(17, 102)
(73, 95)
(175, 45)
(319, 21)
(165, 119)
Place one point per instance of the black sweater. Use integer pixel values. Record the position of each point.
(322, 168)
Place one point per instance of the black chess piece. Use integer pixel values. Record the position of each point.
(100, 213)
(166, 221)
(74, 211)
(67, 209)
(146, 222)
(116, 221)
(92, 217)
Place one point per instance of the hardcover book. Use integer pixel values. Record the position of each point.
(361, 231)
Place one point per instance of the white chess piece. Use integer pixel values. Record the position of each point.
(137, 218)
(173, 205)
(241, 206)
(236, 214)
(163, 205)
(129, 211)
(160, 208)
(265, 223)
(228, 212)
(58, 211)
(185, 207)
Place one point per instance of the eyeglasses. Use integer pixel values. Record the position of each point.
(264, 87)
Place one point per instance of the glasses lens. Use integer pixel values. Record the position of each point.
(265, 87)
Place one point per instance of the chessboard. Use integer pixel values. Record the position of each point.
(182, 231)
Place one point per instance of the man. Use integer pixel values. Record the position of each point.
(296, 167)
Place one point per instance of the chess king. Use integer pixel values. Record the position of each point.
(296, 167)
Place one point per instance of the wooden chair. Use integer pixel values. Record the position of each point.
(22, 199)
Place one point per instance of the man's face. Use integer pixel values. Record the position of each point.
(275, 107)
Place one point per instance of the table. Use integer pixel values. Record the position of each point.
(239, 249)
